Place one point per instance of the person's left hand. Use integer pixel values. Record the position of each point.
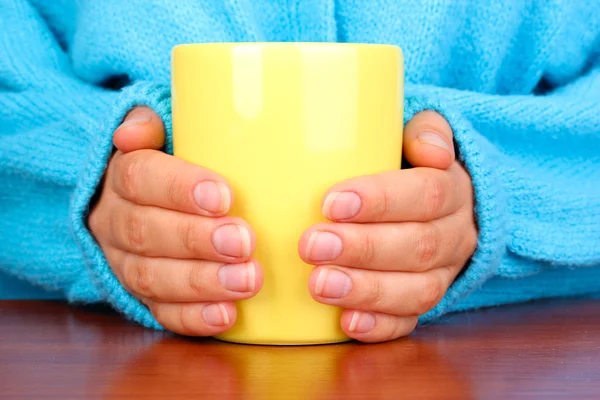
(398, 239)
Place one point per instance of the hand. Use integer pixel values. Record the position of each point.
(161, 223)
(399, 238)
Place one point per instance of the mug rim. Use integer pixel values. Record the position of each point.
(357, 45)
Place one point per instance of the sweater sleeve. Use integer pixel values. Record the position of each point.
(55, 142)
(535, 167)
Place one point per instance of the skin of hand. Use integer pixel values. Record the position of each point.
(162, 224)
(396, 242)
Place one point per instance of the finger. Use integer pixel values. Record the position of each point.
(417, 194)
(407, 247)
(156, 232)
(168, 280)
(142, 128)
(153, 178)
(428, 141)
(194, 319)
(397, 293)
(372, 327)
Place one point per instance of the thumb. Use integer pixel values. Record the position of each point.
(428, 141)
(142, 128)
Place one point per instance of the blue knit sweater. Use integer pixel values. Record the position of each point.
(519, 81)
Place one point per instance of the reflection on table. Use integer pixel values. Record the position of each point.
(545, 350)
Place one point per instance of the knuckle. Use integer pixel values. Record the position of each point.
(428, 246)
(405, 327)
(114, 226)
(130, 171)
(159, 314)
(435, 196)
(93, 221)
(398, 329)
(142, 279)
(173, 190)
(135, 231)
(411, 325)
(381, 208)
(196, 281)
(188, 324)
(381, 202)
(367, 251)
(466, 241)
(190, 236)
(100, 218)
(471, 243)
(139, 277)
(431, 293)
(393, 334)
(377, 294)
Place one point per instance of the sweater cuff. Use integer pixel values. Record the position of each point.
(156, 97)
(480, 158)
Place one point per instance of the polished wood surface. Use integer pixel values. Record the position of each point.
(535, 351)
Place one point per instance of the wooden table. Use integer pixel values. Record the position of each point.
(535, 351)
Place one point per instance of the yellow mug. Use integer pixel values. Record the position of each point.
(282, 122)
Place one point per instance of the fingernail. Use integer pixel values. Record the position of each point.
(323, 246)
(434, 139)
(213, 197)
(238, 277)
(333, 284)
(362, 322)
(341, 205)
(232, 240)
(136, 118)
(215, 315)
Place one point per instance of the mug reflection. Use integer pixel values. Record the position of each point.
(210, 369)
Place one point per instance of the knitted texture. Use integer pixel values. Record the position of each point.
(518, 81)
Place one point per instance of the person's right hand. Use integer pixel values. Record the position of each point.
(161, 223)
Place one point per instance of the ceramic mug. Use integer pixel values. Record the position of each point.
(283, 122)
